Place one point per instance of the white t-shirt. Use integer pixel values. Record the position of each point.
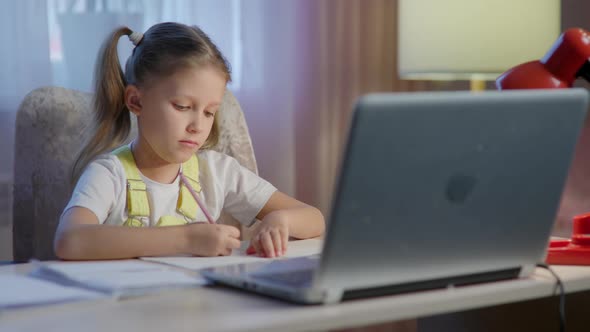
(225, 185)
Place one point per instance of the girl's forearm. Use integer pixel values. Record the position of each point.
(304, 222)
(86, 242)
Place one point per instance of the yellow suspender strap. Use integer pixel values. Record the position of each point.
(187, 206)
(137, 199)
(133, 222)
(171, 221)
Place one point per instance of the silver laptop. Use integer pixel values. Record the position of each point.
(434, 189)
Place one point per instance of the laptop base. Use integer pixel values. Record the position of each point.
(318, 296)
(432, 284)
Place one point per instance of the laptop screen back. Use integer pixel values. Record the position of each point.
(434, 185)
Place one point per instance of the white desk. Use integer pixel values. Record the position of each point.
(221, 309)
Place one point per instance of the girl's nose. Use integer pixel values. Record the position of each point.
(194, 125)
(193, 128)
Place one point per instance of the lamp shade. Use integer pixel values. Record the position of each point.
(472, 39)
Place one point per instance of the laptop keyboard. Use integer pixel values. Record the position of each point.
(297, 278)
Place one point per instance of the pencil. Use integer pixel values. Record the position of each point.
(196, 197)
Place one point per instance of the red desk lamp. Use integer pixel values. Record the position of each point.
(568, 59)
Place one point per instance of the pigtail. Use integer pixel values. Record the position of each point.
(112, 121)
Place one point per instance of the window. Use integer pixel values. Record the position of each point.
(77, 28)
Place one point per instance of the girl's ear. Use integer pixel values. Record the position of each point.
(133, 99)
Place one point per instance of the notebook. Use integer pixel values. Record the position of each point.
(434, 189)
(119, 278)
(22, 291)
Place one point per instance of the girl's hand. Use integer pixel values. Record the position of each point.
(211, 239)
(271, 237)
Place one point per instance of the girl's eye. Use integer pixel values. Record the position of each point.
(181, 107)
(209, 114)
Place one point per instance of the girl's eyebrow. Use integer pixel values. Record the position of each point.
(193, 99)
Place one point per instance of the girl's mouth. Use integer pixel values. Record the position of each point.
(189, 143)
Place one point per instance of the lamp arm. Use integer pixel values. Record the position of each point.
(568, 59)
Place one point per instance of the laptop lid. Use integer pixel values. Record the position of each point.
(444, 184)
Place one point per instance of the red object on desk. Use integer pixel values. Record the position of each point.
(250, 250)
(574, 251)
(564, 62)
(568, 59)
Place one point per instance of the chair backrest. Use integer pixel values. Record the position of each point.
(51, 125)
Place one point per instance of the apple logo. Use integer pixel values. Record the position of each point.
(459, 187)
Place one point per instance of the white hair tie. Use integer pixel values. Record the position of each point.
(135, 37)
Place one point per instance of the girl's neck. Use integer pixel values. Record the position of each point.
(151, 165)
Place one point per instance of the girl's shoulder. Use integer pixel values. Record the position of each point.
(104, 174)
(107, 160)
(215, 158)
(220, 164)
(106, 164)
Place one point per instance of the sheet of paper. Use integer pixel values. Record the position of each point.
(302, 248)
(20, 291)
(129, 282)
(122, 277)
(297, 248)
(84, 269)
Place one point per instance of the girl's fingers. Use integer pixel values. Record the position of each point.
(232, 231)
(255, 243)
(277, 242)
(285, 241)
(233, 243)
(267, 245)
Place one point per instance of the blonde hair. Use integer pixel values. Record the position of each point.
(164, 49)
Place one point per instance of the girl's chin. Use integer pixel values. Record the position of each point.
(184, 156)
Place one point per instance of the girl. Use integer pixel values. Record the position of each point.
(174, 82)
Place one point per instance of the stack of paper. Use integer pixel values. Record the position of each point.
(119, 278)
(297, 248)
(20, 291)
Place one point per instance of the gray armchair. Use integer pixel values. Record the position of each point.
(51, 125)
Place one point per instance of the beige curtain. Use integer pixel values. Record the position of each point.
(351, 51)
